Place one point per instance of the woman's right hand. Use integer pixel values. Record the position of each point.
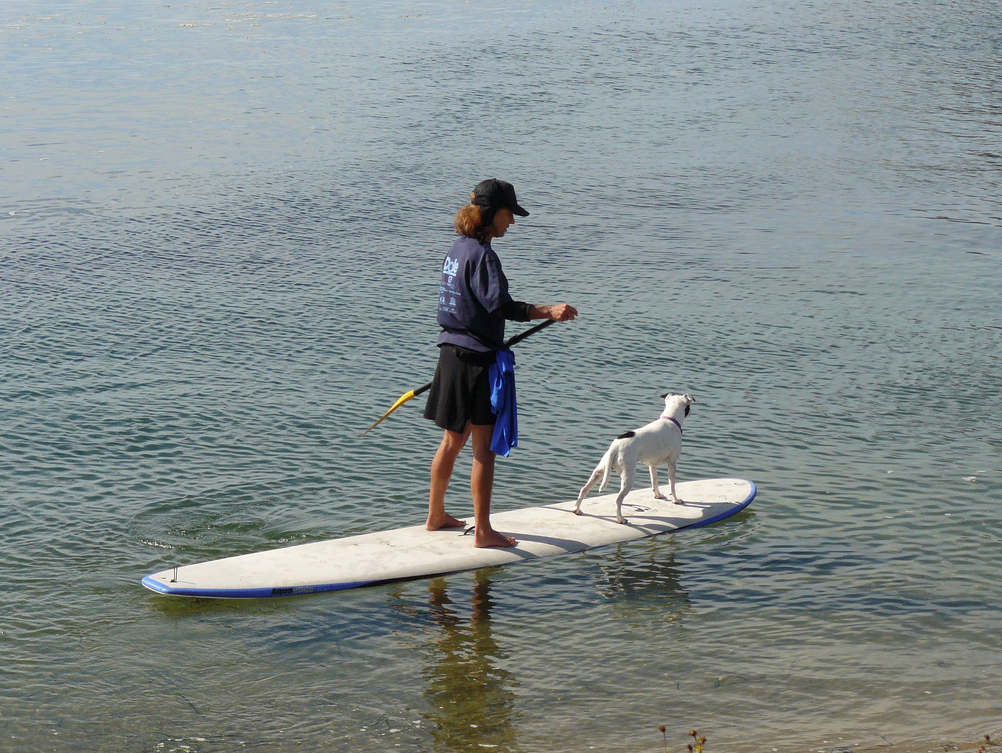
(561, 312)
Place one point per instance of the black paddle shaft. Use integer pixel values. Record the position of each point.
(507, 343)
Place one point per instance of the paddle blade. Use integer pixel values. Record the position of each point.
(400, 401)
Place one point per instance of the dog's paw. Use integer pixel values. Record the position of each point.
(659, 495)
(622, 521)
(577, 511)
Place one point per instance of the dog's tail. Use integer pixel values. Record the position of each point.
(607, 465)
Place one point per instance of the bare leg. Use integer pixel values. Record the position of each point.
(441, 472)
(481, 485)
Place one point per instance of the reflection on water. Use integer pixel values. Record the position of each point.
(470, 692)
(470, 695)
(645, 578)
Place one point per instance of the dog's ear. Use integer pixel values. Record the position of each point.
(666, 395)
(689, 398)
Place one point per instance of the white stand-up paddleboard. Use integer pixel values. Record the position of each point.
(413, 552)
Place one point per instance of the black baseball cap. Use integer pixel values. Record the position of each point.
(497, 194)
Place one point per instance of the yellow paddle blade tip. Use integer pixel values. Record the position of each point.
(400, 401)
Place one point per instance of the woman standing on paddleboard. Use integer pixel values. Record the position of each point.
(473, 304)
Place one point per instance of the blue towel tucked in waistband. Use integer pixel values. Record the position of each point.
(502, 378)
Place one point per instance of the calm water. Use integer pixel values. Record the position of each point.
(220, 226)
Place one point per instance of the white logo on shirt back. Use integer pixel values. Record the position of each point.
(451, 267)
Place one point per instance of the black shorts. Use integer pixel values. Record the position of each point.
(461, 390)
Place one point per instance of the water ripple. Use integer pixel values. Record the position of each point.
(791, 212)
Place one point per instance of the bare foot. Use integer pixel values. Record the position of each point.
(492, 538)
(443, 521)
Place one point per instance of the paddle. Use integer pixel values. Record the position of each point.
(414, 393)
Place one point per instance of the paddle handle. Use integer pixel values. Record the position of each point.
(531, 331)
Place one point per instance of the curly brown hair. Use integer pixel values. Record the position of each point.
(470, 222)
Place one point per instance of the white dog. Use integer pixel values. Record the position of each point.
(658, 443)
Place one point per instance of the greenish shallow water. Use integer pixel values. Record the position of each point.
(219, 234)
